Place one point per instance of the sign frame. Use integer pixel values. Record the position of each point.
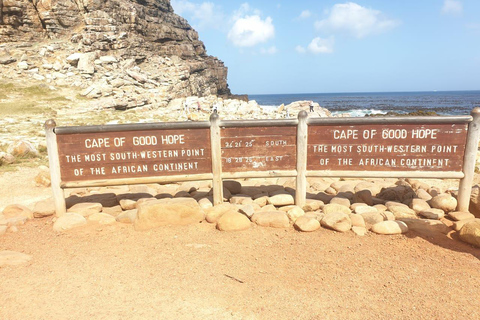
(302, 124)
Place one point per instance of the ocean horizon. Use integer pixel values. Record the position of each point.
(359, 104)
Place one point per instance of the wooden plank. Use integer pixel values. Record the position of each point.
(55, 174)
(388, 147)
(134, 154)
(249, 149)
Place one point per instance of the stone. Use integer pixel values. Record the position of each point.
(17, 210)
(312, 205)
(423, 194)
(73, 58)
(12, 258)
(22, 148)
(86, 63)
(248, 210)
(113, 211)
(279, 200)
(294, 213)
(269, 207)
(86, 208)
(371, 218)
(44, 208)
(380, 207)
(273, 219)
(69, 221)
(359, 231)
(458, 225)
(357, 220)
(42, 179)
(102, 218)
(214, 213)
(460, 215)
(233, 186)
(205, 203)
(337, 221)
(332, 207)
(365, 209)
(390, 227)
(306, 224)
(128, 216)
(241, 199)
(470, 233)
(233, 221)
(177, 211)
(340, 201)
(363, 196)
(6, 158)
(419, 205)
(261, 201)
(433, 214)
(128, 204)
(400, 210)
(444, 202)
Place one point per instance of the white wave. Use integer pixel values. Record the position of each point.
(358, 112)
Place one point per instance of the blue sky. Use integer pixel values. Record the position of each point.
(340, 46)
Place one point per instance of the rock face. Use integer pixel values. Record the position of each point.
(140, 30)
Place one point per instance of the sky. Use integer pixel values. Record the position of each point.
(327, 46)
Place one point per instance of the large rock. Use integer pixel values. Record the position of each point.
(470, 232)
(44, 208)
(214, 213)
(419, 205)
(400, 210)
(177, 211)
(333, 207)
(279, 200)
(86, 208)
(307, 224)
(274, 219)
(337, 221)
(390, 227)
(444, 202)
(69, 221)
(233, 186)
(233, 221)
(17, 210)
(22, 148)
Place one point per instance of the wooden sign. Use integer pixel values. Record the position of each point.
(258, 148)
(134, 154)
(387, 147)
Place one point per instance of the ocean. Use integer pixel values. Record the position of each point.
(361, 104)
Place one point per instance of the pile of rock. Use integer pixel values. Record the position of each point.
(381, 206)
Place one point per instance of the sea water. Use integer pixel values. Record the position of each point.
(361, 104)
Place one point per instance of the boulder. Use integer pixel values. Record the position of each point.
(233, 221)
(241, 199)
(294, 213)
(470, 233)
(371, 218)
(340, 201)
(86, 208)
(359, 231)
(273, 219)
(312, 205)
(233, 186)
(22, 148)
(44, 208)
(42, 179)
(357, 220)
(460, 215)
(365, 209)
(69, 221)
(337, 221)
(102, 218)
(444, 202)
(419, 205)
(279, 200)
(248, 210)
(306, 224)
(128, 216)
(390, 227)
(214, 213)
(433, 213)
(177, 211)
(363, 196)
(332, 207)
(400, 210)
(458, 225)
(17, 210)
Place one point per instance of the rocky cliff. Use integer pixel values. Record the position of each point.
(121, 42)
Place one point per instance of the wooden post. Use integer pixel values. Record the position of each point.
(54, 163)
(215, 140)
(302, 140)
(471, 148)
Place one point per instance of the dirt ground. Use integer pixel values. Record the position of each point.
(197, 272)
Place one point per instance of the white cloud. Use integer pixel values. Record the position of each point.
(452, 7)
(300, 49)
(305, 14)
(356, 20)
(321, 45)
(250, 30)
(203, 15)
(271, 50)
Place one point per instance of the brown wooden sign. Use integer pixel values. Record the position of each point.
(134, 154)
(258, 148)
(384, 147)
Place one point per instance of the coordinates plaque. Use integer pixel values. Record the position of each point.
(401, 147)
(134, 154)
(258, 149)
